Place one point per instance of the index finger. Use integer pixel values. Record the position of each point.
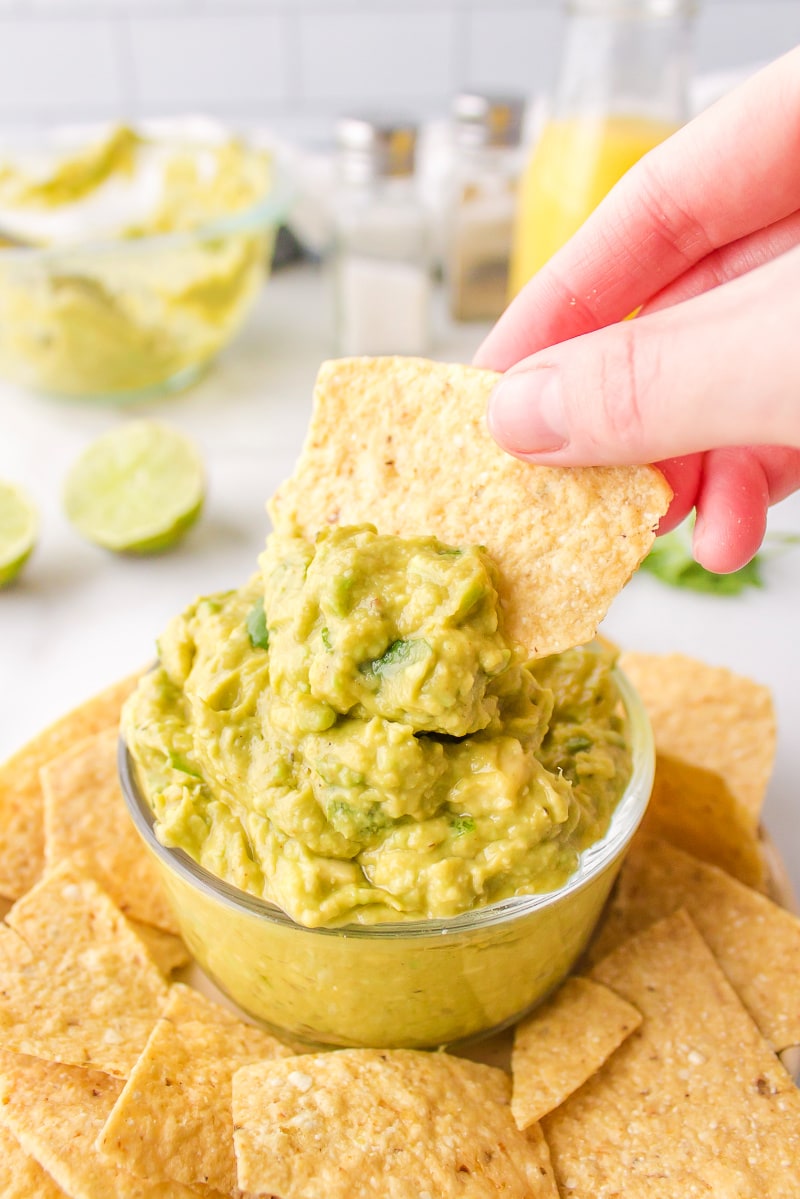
(731, 171)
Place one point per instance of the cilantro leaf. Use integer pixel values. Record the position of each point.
(671, 560)
(462, 824)
(256, 624)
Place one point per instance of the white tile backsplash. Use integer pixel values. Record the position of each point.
(297, 64)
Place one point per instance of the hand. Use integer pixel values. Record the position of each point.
(702, 235)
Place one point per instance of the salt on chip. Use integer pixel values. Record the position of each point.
(78, 985)
(21, 802)
(694, 810)
(756, 943)
(694, 1102)
(21, 1176)
(402, 443)
(169, 952)
(56, 1111)
(709, 717)
(367, 1123)
(86, 820)
(563, 1043)
(173, 1118)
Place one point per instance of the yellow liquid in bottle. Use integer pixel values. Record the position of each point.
(575, 163)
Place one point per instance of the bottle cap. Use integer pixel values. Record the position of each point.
(374, 146)
(488, 119)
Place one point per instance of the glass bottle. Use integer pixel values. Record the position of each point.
(623, 88)
(381, 241)
(486, 169)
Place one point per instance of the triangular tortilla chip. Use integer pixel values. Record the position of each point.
(368, 1123)
(56, 1112)
(694, 1102)
(78, 985)
(695, 811)
(167, 951)
(711, 718)
(21, 1176)
(22, 842)
(563, 1043)
(86, 820)
(173, 1118)
(756, 943)
(402, 443)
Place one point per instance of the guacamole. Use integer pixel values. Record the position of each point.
(134, 313)
(352, 737)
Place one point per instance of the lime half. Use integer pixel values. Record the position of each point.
(137, 489)
(19, 527)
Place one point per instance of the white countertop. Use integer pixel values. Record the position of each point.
(80, 618)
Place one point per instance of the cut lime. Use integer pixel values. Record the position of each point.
(137, 489)
(19, 526)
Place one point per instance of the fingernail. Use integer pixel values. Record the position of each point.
(526, 412)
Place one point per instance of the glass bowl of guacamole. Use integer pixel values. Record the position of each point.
(378, 823)
(129, 257)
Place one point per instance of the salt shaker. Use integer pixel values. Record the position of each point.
(486, 166)
(382, 241)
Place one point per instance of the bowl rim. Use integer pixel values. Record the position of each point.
(269, 209)
(592, 861)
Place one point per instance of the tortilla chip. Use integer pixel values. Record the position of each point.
(694, 810)
(173, 1118)
(364, 1123)
(86, 820)
(167, 951)
(21, 804)
(712, 718)
(563, 1043)
(694, 1102)
(21, 1176)
(756, 943)
(56, 1112)
(402, 443)
(78, 985)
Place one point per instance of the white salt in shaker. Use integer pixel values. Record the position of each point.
(382, 241)
(486, 170)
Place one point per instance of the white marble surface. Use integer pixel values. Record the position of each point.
(80, 618)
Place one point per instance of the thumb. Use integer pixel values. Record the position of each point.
(722, 369)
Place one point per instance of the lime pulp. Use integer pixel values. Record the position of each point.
(19, 527)
(136, 489)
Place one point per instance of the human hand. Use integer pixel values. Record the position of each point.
(703, 235)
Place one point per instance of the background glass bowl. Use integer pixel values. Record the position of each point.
(129, 318)
(416, 983)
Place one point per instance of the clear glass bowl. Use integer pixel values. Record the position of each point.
(417, 983)
(126, 319)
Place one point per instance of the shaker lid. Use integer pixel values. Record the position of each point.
(488, 118)
(379, 145)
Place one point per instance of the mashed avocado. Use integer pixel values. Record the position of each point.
(352, 736)
(78, 320)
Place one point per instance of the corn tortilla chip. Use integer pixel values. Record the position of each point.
(709, 717)
(78, 985)
(21, 804)
(694, 810)
(563, 1043)
(56, 1112)
(402, 443)
(364, 1123)
(756, 943)
(173, 1118)
(167, 951)
(86, 820)
(694, 1102)
(21, 1176)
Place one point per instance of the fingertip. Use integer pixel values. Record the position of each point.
(731, 510)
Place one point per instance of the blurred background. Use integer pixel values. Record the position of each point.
(297, 64)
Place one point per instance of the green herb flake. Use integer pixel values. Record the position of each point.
(462, 824)
(399, 655)
(178, 762)
(256, 623)
(326, 640)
